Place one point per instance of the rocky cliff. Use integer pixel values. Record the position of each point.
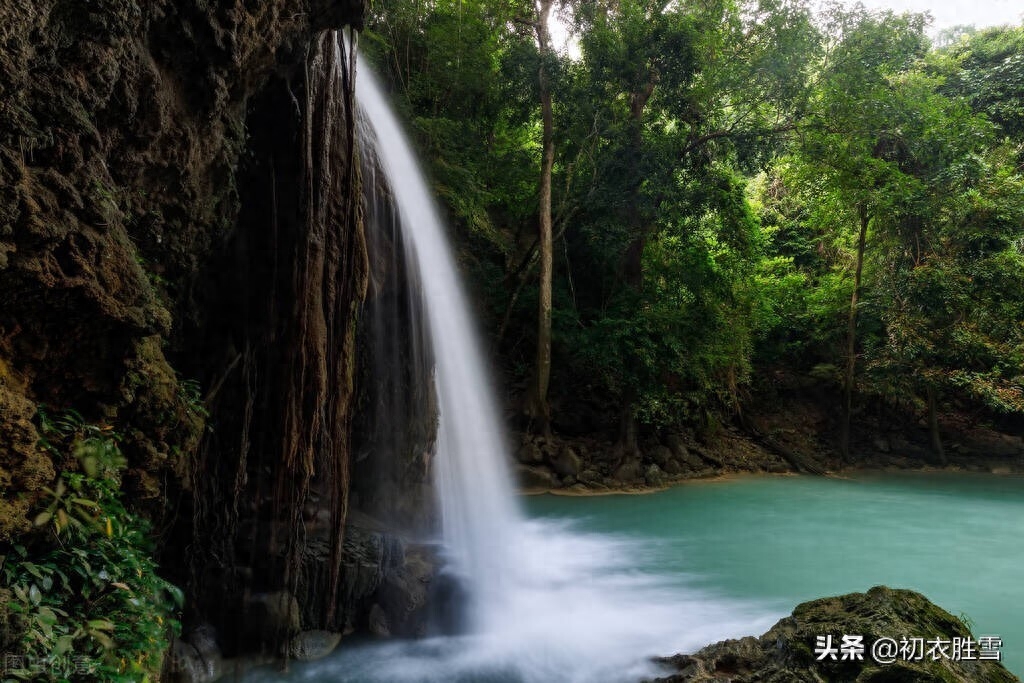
(182, 258)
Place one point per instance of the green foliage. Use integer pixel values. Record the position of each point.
(192, 398)
(88, 603)
(713, 161)
(989, 72)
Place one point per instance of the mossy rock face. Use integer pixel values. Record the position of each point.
(786, 653)
(124, 127)
(24, 467)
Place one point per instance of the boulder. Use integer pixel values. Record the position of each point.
(653, 476)
(196, 659)
(627, 472)
(787, 652)
(310, 645)
(269, 616)
(661, 455)
(404, 593)
(566, 463)
(673, 468)
(548, 447)
(378, 622)
(676, 444)
(994, 445)
(184, 665)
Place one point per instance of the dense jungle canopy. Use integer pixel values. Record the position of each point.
(734, 187)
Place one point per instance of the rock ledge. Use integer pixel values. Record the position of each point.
(786, 653)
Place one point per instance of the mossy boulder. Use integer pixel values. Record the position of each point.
(787, 652)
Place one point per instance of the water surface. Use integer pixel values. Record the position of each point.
(619, 578)
(956, 537)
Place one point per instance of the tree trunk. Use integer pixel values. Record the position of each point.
(537, 405)
(851, 339)
(933, 426)
(627, 426)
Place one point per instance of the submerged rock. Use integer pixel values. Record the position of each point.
(310, 645)
(789, 651)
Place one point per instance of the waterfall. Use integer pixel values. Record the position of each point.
(472, 478)
(545, 602)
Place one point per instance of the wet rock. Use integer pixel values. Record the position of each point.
(566, 463)
(994, 444)
(882, 444)
(204, 639)
(269, 616)
(548, 448)
(184, 665)
(404, 594)
(786, 653)
(629, 471)
(194, 659)
(676, 444)
(653, 476)
(534, 477)
(589, 476)
(378, 622)
(673, 468)
(529, 454)
(661, 455)
(310, 645)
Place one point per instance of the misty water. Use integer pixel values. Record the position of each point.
(779, 541)
(726, 558)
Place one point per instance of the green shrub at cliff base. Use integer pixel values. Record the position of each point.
(86, 601)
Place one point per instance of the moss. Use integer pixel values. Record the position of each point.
(24, 468)
(786, 652)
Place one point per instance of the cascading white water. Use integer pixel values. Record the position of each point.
(548, 604)
(473, 482)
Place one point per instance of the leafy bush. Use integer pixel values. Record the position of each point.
(86, 601)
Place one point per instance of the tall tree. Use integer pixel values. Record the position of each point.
(537, 407)
(851, 145)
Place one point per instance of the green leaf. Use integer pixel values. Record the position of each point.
(177, 595)
(46, 616)
(101, 624)
(42, 518)
(64, 644)
(90, 465)
(103, 639)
